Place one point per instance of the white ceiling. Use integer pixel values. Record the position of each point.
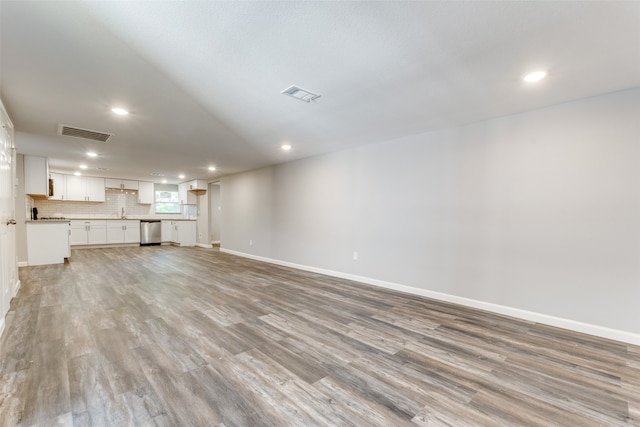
(202, 79)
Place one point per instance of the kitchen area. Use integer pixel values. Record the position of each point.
(64, 212)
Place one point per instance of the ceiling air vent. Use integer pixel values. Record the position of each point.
(83, 133)
(301, 94)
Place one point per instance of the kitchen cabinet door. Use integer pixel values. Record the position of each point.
(59, 186)
(186, 197)
(121, 184)
(85, 189)
(95, 189)
(88, 232)
(36, 176)
(197, 185)
(146, 195)
(76, 188)
(166, 230)
(97, 233)
(175, 232)
(185, 233)
(78, 234)
(131, 231)
(115, 232)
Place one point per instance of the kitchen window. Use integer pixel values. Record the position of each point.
(167, 202)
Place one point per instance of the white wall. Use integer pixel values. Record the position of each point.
(247, 207)
(214, 212)
(538, 211)
(202, 221)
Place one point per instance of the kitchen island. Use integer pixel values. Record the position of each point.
(47, 242)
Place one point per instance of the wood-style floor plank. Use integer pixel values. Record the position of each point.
(167, 336)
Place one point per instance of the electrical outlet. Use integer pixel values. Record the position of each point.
(355, 256)
(250, 242)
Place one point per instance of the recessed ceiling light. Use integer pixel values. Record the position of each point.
(286, 147)
(164, 181)
(120, 111)
(77, 173)
(83, 166)
(535, 76)
(157, 174)
(212, 168)
(301, 94)
(181, 176)
(92, 154)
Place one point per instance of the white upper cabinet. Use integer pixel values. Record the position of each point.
(36, 176)
(188, 191)
(121, 184)
(85, 189)
(197, 185)
(146, 194)
(57, 186)
(186, 197)
(95, 189)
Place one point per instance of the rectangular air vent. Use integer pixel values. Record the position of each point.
(83, 133)
(301, 94)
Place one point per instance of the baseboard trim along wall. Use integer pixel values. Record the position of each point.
(202, 245)
(599, 331)
(23, 264)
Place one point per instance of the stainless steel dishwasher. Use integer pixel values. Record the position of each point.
(150, 232)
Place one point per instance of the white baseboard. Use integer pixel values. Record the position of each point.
(573, 325)
(1, 325)
(215, 242)
(202, 245)
(16, 288)
(23, 264)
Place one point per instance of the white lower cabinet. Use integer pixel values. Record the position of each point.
(181, 233)
(123, 231)
(166, 230)
(93, 232)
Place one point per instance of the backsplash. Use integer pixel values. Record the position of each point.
(111, 208)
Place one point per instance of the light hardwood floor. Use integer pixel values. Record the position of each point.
(193, 337)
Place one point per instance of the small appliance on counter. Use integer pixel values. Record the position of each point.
(34, 214)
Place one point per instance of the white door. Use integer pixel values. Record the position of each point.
(8, 263)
